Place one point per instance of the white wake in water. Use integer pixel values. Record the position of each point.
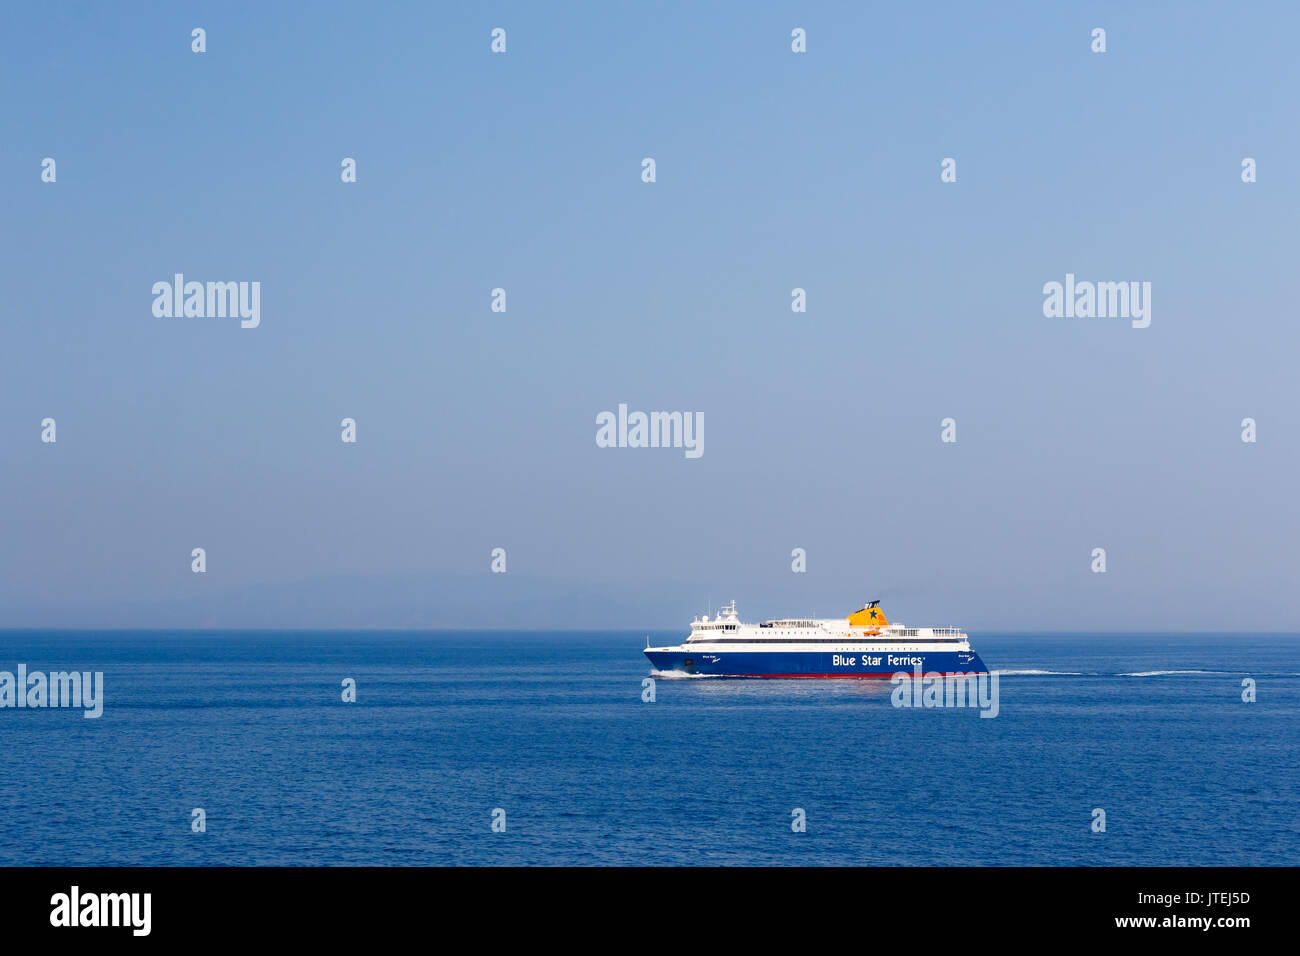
(1031, 672)
(1171, 673)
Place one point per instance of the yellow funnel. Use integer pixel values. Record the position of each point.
(869, 616)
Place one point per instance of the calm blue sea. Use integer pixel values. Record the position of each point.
(551, 728)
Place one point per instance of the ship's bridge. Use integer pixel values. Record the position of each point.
(725, 621)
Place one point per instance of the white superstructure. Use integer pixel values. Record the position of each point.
(820, 634)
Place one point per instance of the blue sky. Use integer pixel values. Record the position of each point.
(774, 171)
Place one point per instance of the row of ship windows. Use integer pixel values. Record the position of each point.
(905, 632)
(895, 632)
(947, 632)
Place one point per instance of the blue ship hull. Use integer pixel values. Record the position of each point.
(795, 664)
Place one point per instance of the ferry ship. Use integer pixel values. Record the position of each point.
(863, 645)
